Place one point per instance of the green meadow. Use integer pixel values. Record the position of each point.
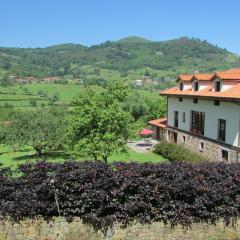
(12, 159)
(22, 95)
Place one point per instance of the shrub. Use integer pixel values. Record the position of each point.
(102, 194)
(8, 105)
(174, 152)
(33, 103)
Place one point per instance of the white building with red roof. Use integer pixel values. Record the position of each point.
(204, 114)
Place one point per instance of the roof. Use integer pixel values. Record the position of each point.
(185, 77)
(231, 74)
(203, 76)
(233, 92)
(228, 76)
(162, 122)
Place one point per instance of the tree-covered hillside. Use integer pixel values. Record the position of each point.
(132, 53)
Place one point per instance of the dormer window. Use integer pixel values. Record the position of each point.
(180, 86)
(195, 86)
(217, 86)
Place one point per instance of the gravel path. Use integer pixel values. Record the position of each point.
(142, 146)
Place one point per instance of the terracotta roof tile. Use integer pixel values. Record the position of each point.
(185, 77)
(204, 76)
(231, 74)
(228, 76)
(162, 122)
(231, 93)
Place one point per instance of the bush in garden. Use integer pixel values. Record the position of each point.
(102, 194)
(174, 152)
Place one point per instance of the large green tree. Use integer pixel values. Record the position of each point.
(99, 125)
(41, 128)
(136, 105)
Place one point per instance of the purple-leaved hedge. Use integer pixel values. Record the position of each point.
(102, 194)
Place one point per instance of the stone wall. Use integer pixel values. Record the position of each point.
(59, 229)
(211, 150)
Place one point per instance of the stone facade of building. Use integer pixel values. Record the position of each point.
(206, 147)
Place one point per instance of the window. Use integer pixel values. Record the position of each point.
(175, 118)
(221, 130)
(197, 123)
(224, 154)
(180, 99)
(183, 117)
(184, 138)
(195, 100)
(195, 86)
(216, 102)
(201, 146)
(217, 86)
(180, 86)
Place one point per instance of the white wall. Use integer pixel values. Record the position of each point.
(226, 110)
(204, 84)
(227, 84)
(186, 85)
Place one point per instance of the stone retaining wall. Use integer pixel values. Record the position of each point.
(58, 228)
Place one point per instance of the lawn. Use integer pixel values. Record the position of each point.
(26, 155)
(133, 156)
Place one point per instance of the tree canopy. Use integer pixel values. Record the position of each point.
(41, 128)
(99, 125)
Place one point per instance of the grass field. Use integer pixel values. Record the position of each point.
(16, 95)
(26, 155)
(67, 92)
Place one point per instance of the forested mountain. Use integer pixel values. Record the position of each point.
(132, 53)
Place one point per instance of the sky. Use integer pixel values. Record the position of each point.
(40, 23)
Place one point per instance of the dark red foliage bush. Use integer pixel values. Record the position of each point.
(101, 194)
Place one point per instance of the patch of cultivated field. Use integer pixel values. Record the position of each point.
(17, 97)
(67, 92)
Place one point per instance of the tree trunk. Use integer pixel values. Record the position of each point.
(105, 159)
(38, 151)
(95, 158)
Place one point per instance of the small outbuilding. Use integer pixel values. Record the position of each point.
(159, 127)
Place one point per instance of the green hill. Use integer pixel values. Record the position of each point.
(128, 55)
(134, 39)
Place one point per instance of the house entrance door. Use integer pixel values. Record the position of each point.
(174, 137)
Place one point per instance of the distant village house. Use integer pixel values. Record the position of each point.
(26, 80)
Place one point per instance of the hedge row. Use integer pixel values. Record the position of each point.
(174, 152)
(101, 194)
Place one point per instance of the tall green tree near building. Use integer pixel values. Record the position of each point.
(100, 126)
